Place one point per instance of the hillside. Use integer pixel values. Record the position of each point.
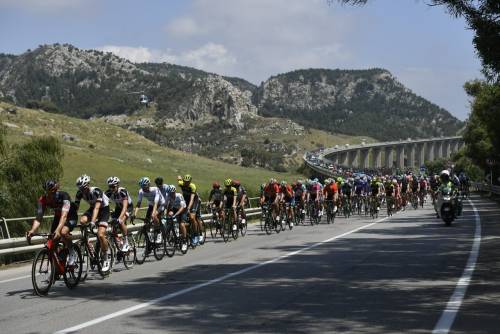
(219, 117)
(371, 102)
(101, 149)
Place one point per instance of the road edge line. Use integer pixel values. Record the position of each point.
(449, 314)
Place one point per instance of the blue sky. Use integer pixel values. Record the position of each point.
(426, 49)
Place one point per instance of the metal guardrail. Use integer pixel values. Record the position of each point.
(486, 187)
(11, 246)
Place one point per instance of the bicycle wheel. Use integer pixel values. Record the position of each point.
(170, 243)
(86, 260)
(130, 256)
(203, 232)
(142, 246)
(100, 259)
(243, 228)
(268, 224)
(213, 227)
(159, 243)
(227, 227)
(73, 273)
(42, 272)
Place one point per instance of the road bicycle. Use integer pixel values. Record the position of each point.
(128, 257)
(50, 264)
(330, 212)
(91, 252)
(150, 239)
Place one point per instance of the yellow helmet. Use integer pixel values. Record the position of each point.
(187, 178)
(228, 182)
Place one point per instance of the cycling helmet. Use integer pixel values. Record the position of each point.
(394, 181)
(283, 183)
(299, 182)
(144, 182)
(83, 181)
(113, 181)
(236, 183)
(216, 185)
(339, 179)
(170, 189)
(187, 178)
(159, 181)
(228, 182)
(327, 182)
(50, 185)
(294, 184)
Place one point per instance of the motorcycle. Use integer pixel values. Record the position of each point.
(446, 205)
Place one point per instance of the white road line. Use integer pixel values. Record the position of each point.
(448, 316)
(14, 279)
(201, 285)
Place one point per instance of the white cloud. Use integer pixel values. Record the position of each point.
(182, 27)
(209, 57)
(265, 37)
(139, 54)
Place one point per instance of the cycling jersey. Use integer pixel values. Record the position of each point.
(153, 196)
(175, 203)
(215, 196)
(271, 190)
(92, 196)
(230, 193)
(60, 202)
(389, 190)
(119, 196)
(330, 190)
(315, 188)
(163, 190)
(188, 188)
(299, 190)
(241, 192)
(287, 191)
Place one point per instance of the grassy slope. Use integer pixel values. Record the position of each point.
(124, 153)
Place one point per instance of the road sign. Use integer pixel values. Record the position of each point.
(490, 162)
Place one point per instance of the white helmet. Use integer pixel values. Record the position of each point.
(113, 181)
(83, 181)
(445, 172)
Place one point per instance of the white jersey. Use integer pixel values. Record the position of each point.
(153, 196)
(175, 203)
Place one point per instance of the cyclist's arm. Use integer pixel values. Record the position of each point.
(139, 201)
(122, 216)
(96, 211)
(191, 200)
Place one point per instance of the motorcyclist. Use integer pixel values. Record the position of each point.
(445, 182)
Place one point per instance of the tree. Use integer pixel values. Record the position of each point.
(23, 170)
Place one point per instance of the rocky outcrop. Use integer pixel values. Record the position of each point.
(360, 102)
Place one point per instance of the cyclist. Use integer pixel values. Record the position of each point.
(287, 197)
(331, 193)
(414, 187)
(241, 200)
(215, 200)
(390, 192)
(300, 193)
(230, 197)
(176, 208)
(313, 195)
(156, 201)
(270, 196)
(193, 202)
(65, 216)
(123, 206)
(161, 186)
(97, 213)
(404, 191)
(375, 188)
(347, 192)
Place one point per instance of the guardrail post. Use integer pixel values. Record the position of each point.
(6, 228)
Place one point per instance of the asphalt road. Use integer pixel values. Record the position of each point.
(357, 276)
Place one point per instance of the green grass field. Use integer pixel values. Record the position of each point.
(100, 150)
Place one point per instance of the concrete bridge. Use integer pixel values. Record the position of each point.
(404, 154)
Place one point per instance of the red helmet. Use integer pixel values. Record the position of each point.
(216, 184)
(236, 183)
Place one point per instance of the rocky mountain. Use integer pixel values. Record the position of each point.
(217, 116)
(370, 102)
